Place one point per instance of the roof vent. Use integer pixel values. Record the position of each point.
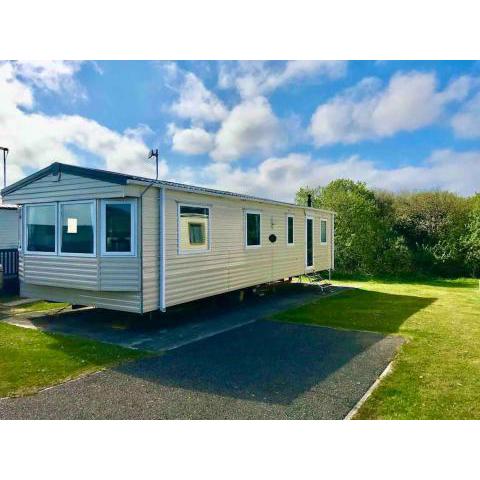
(309, 200)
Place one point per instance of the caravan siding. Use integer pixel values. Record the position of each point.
(8, 228)
(125, 301)
(229, 265)
(151, 249)
(69, 187)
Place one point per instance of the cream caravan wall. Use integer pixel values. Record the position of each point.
(229, 265)
(151, 249)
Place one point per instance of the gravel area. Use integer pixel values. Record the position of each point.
(262, 370)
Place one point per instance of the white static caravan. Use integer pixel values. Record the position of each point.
(123, 242)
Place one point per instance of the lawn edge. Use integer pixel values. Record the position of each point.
(353, 412)
(36, 391)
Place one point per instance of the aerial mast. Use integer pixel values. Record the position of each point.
(5, 154)
(154, 153)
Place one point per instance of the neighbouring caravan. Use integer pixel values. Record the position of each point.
(123, 242)
(9, 234)
(8, 227)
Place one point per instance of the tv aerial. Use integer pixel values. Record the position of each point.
(154, 153)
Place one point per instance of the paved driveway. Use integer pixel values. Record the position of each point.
(262, 370)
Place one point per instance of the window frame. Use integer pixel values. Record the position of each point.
(289, 215)
(93, 209)
(324, 221)
(195, 251)
(253, 212)
(133, 227)
(25, 229)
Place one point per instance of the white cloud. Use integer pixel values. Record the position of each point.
(250, 126)
(280, 177)
(466, 123)
(193, 141)
(140, 132)
(54, 75)
(410, 101)
(252, 79)
(196, 102)
(36, 140)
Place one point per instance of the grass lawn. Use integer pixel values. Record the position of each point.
(436, 374)
(38, 306)
(31, 360)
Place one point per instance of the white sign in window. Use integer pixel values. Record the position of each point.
(72, 225)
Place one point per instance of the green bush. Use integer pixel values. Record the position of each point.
(408, 233)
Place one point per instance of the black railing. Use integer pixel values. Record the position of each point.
(9, 261)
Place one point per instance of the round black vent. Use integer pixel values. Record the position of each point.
(272, 238)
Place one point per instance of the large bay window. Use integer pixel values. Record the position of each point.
(193, 228)
(118, 227)
(41, 232)
(77, 222)
(70, 228)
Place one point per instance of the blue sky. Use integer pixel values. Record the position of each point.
(256, 127)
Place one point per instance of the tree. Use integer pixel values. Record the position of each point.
(433, 224)
(361, 223)
(471, 239)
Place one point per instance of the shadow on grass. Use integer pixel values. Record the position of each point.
(359, 310)
(411, 280)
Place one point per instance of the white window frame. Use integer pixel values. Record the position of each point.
(25, 230)
(322, 220)
(93, 207)
(196, 250)
(255, 212)
(133, 227)
(289, 244)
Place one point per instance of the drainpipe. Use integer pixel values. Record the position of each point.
(162, 262)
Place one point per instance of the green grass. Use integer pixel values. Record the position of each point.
(31, 360)
(38, 306)
(436, 374)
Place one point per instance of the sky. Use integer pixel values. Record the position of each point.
(262, 128)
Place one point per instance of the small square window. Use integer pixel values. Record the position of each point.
(196, 233)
